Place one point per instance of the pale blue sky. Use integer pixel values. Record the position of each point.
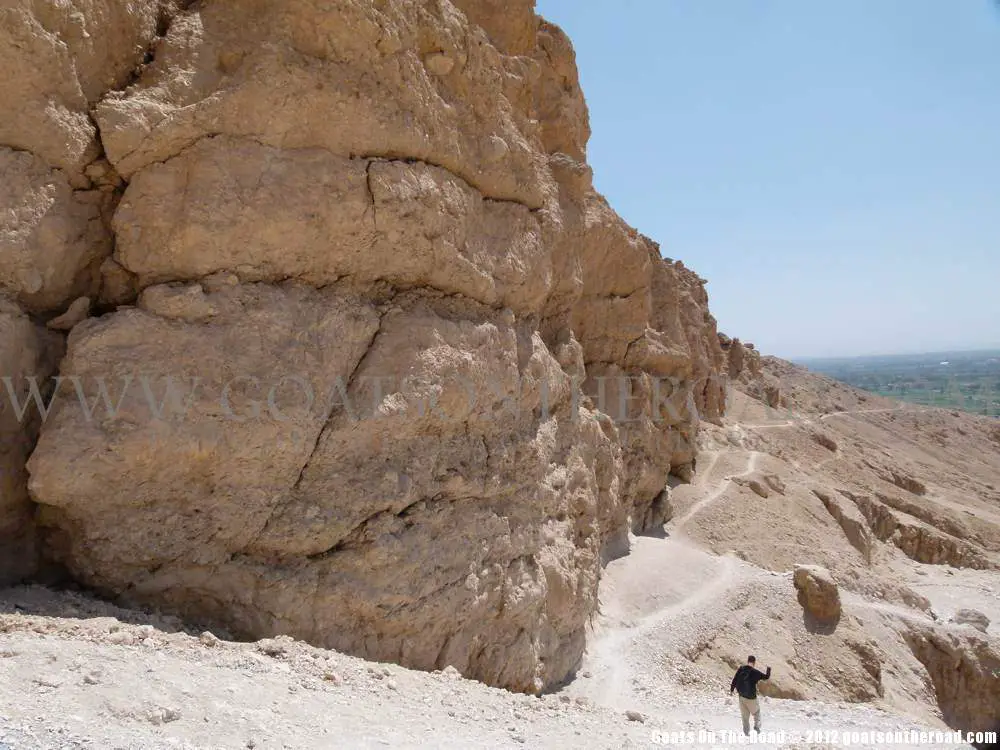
(832, 167)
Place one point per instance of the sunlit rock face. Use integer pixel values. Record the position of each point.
(385, 372)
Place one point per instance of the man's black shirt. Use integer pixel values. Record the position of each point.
(745, 680)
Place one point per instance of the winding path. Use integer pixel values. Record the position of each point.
(610, 651)
(720, 490)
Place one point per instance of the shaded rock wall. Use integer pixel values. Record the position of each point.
(27, 351)
(56, 200)
(965, 672)
(375, 367)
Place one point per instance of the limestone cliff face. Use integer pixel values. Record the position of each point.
(385, 372)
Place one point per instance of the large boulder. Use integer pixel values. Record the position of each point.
(260, 484)
(817, 592)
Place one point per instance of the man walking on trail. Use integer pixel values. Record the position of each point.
(745, 681)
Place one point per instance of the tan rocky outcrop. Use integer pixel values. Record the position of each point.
(767, 389)
(964, 668)
(817, 592)
(118, 286)
(233, 204)
(776, 483)
(699, 326)
(402, 80)
(742, 360)
(851, 520)
(961, 526)
(52, 238)
(825, 440)
(252, 485)
(742, 365)
(396, 379)
(919, 539)
(897, 476)
(373, 365)
(509, 24)
(28, 355)
(971, 617)
(757, 484)
(58, 60)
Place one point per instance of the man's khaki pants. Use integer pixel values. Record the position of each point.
(750, 706)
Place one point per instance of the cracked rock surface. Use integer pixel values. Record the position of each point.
(356, 308)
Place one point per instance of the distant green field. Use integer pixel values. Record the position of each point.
(969, 381)
(972, 397)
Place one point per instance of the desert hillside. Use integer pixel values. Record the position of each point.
(321, 354)
(676, 614)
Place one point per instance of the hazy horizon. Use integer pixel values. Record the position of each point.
(831, 168)
(978, 350)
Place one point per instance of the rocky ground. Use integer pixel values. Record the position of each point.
(98, 679)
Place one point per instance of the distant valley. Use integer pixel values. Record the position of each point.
(969, 381)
